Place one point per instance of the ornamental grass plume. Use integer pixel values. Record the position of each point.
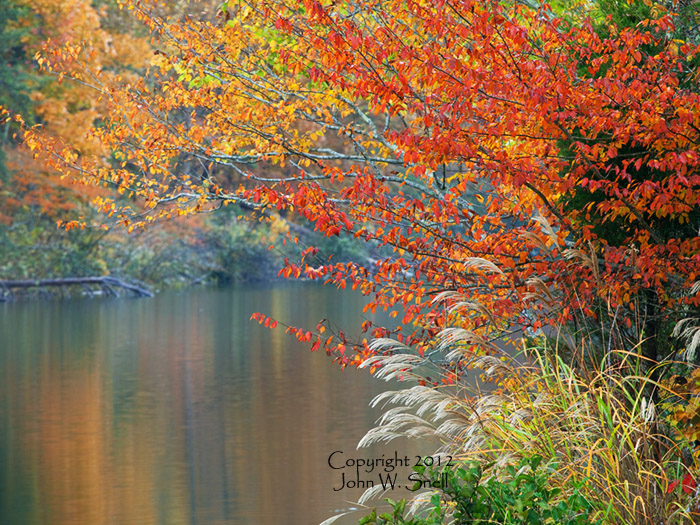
(595, 424)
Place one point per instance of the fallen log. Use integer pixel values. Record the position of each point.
(107, 284)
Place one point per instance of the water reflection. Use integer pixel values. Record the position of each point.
(177, 410)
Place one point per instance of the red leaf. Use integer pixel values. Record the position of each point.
(689, 484)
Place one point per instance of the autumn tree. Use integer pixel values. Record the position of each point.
(14, 74)
(631, 156)
(543, 171)
(33, 197)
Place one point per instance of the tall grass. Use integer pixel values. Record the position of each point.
(594, 422)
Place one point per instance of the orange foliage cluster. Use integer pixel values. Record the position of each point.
(457, 132)
(68, 111)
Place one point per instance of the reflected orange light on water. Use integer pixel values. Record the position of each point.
(177, 410)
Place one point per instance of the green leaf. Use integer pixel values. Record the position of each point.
(370, 518)
(399, 508)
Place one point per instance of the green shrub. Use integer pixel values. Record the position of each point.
(522, 495)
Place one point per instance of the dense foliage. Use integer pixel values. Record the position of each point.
(521, 497)
(491, 145)
(34, 197)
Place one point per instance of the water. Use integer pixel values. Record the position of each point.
(178, 409)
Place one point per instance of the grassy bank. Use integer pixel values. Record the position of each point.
(574, 429)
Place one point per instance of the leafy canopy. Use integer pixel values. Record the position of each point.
(490, 145)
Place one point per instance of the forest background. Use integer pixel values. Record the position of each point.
(231, 246)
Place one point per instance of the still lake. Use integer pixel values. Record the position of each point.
(178, 409)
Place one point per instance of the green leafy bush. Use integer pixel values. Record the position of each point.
(523, 495)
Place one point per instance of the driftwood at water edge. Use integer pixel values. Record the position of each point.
(107, 285)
